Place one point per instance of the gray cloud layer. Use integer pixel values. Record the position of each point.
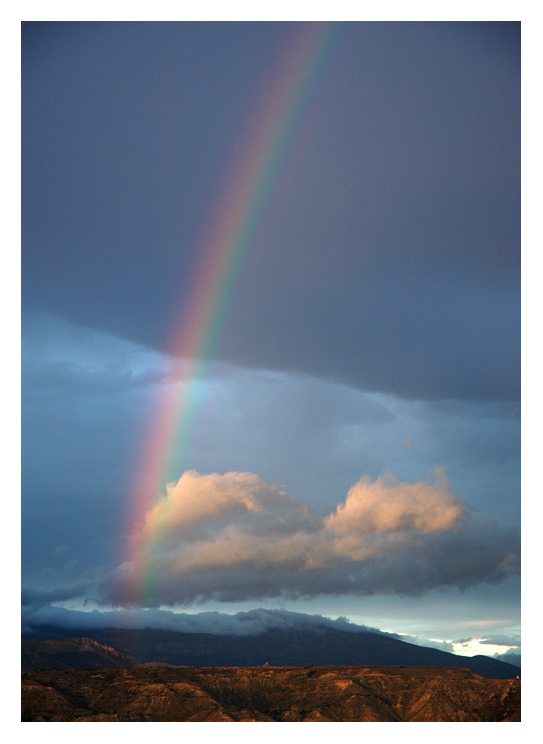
(387, 255)
(37, 615)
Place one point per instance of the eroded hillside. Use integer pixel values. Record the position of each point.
(340, 693)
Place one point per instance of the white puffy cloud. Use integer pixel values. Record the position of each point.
(210, 522)
(235, 536)
(387, 505)
(197, 503)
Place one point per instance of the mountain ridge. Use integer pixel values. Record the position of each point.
(72, 653)
(313, 646)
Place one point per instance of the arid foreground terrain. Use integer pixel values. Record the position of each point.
(328, 693)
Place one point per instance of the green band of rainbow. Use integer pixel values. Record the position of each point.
(246, 191)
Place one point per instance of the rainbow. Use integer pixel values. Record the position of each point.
(244, 195)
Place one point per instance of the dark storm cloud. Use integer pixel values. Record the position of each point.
(405, 572)
(84, 396)
(510, 657)
(501, 640)
(33, 598)
(387, 255)
(57, 356)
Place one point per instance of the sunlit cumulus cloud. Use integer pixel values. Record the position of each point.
(198, 504)
(386, 505)
(234, 536)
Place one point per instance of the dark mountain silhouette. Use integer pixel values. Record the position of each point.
(72, 653)
(315, 646)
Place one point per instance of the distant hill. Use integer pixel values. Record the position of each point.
(315, 646)
(72, 653)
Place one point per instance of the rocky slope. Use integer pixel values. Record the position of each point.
(327, 693)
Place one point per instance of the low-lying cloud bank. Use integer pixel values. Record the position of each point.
(36, 618)
(235, 537)
(46, 618)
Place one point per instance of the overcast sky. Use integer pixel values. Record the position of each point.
(355, 448)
